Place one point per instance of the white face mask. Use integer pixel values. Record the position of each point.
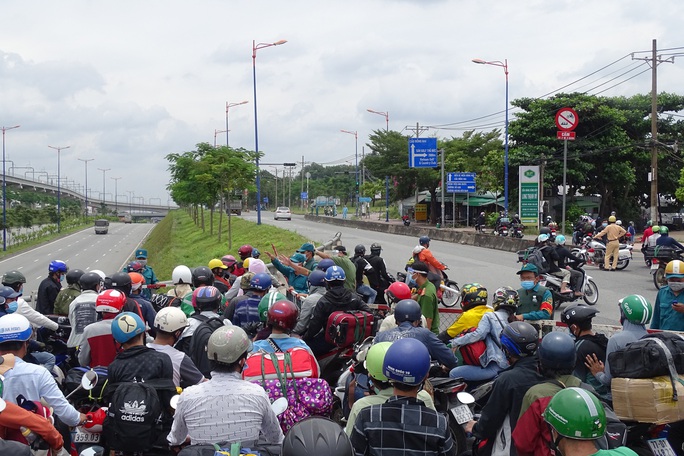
(675, 286)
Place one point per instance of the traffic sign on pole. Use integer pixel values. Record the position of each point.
(304, 195)
(567, 135)
(460, 183)
(566, 119)
(423, 153)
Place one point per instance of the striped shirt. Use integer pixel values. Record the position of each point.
(401, 426)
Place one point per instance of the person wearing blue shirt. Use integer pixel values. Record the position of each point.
(297, 281)
(668, 312)
(282, 318)
(147, 272)
(666, 241)
(246, 313)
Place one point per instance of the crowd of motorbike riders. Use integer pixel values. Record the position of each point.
(548, 396)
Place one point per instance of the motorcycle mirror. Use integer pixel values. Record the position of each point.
(465, 398)
(89, 380)
(173, 402)
(95, 450)
(279, 405)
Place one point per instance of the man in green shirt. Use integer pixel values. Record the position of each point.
(426, 295)
(343, 261)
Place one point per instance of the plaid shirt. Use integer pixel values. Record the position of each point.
(401, 426)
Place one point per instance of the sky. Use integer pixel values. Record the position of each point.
(127, 82)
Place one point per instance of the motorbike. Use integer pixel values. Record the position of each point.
(452, 399)
(659, 257)
(593, 252)
(56, 343)
(589, 288)
(448, 293)
(87, 437)
(352, 383)
(517, 230)
(503, 227)
(406, 220)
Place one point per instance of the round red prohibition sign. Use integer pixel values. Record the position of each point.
(566, 119)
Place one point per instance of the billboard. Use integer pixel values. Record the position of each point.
(528, 189)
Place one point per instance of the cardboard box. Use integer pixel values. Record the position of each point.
(648, 400)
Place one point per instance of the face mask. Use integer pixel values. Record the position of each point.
(675, 286)
(142, 262)
(604, 225)
(12, 307)
(527, 284)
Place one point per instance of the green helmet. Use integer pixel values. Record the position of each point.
(656, 229)
(12, 277)
(267, 301)
(664, 230)
(472, 295)
(636, 309)
(506, 297)
(375, 358)
(577, 414)
(649, 223)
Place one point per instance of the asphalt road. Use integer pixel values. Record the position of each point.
(83, 250)
(488, 267)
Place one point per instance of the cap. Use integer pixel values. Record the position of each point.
(141, 253)
(245, 279)
(420, 267)
(528, 267)
(306, 247)
(216, 263)
(298, 258)
(340, 248)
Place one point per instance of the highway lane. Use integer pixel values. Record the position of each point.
(489, 267)
(83, 250)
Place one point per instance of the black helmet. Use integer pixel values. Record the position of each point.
(122, 281)
(407, 310)
(578, 314)
(315, 436)
(557, 351)
(424, 240)
(207, 298)
(520, 339)
(375, 248)
(359, 249)
(73, 276)
(91, 281)
(12, 277)
(202, 276)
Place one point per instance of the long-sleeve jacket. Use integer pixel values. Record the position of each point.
(36, 318)
(488, 329)
(337, 298)
(436, 347)
(14, 417)
(428, 258)
(298, 282)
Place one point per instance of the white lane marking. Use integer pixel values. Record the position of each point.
(35, 261)
(39, 277)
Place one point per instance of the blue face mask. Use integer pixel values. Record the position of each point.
(11, 307)
(604, 225)
(527, 284)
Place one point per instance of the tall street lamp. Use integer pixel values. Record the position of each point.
(384, 114)
(255, 48)
(59, 188)
(4, 189)
(116, 191)
(104, 171)
(216, 132)
(356, 172)
(228, 106)
(86, 160)
(503, 65)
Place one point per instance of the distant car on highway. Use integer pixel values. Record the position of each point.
(101, 226)
(282, 213)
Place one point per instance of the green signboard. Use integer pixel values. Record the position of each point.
(529, 195)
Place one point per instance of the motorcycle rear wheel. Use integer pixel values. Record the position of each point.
(622, 264)
(458, 435)
(449, 298)
(591, 293)
(659, 278)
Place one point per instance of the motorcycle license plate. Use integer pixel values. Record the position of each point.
(462, 414)
(85, 437)
(654, 266)
(661, 447)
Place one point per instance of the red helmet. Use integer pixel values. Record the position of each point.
(245, 251)
(228, 260)
(283, 314)
(110, 301)
(396, 292)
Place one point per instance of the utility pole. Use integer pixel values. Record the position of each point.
(301, 200)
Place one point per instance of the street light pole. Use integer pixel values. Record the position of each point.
(104, 171)
(384, 114)
(59, 188)
(4, 189)
(86, 160)
(356, 172)
(216, 132)
(228, 106)
(255, 48)
(116, 191)
(503, 65)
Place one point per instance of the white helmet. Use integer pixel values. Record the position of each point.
(227, 344)
(100, 273)
(170, 319)
(15, 328)
(619, 222)
(181, 274)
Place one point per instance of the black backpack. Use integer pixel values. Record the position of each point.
(198, 343)
(134, 418)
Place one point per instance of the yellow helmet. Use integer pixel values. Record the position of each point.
(612, 219)
(674, 268)
(216, 263)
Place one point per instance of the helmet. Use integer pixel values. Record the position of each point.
(181, 274)
(227, 344)
(557, 351)
(206, 298)
(612, 219)
(542, 238)
(375, 358)
(216, 263)
(255, 253)
(58, 266)
(359, 249)
(576, 414)
(636, 309)
(407, 310)
(283, 314)
(577, 314)
(619, 222)
(245, 263)
(560, 239)
(396, 292)
(245, 251)
(12, 277)
(424, 240)
(202, 276)
(261, 282)
(91, 281)
(257, 265)
(520, 339)
(334, 273)
(316, 278)
(674, 269)
(8, 292)
(122, 282)
(314, 436)
(170, 319)
(324, 264)
(375, 247)
(100, 273)
(110, 301)
(135, 266)
(228, 260)
(649, 223)
(506, 297)
(14, 328)
(473, 295)
(267, 301)
(73, 276)
(664, 230)
(137, 280)
(407, 361)
(126, 326)
(656, 229)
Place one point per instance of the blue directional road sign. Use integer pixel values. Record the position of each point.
(265, 199)
(304, 195)
(423, 153)
(460, 183)
(364, 199)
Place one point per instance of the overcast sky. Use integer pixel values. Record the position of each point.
(127, 82)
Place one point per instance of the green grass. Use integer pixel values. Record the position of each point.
(177, 240)
(18, 248)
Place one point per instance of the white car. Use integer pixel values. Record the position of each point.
(282, 213)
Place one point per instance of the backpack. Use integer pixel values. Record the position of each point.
(647, 357)
(133, 421)
(345, 328)
(471, 352)
(296, 362)
(537, 258)
(197, 351)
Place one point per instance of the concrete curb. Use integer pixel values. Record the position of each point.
(441, 234)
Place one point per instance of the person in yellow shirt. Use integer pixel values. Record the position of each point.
(474, 304)
(613, 232)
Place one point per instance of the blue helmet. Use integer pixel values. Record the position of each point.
(317, 278)
(255, 253)
(261, 282)
(126, 326)
(325, 263)
(407, 361)
(423, 240)
(407, 310)
(520, 339)
(557, 351)
(58, 266)
(334, 273)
